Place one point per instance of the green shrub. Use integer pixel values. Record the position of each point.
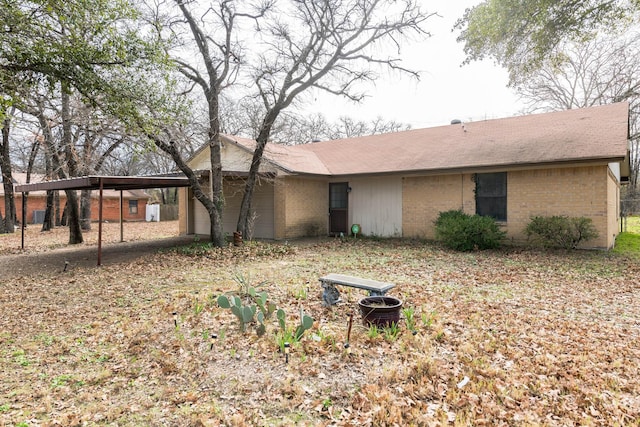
(462, 232)
(560, 231)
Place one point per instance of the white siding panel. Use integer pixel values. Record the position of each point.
(263, 205)
(376, 204)
(200, 219)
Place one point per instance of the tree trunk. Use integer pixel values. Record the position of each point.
(244, 218)
(47, 223)
(215, 203)
(216, 208)
(56, 205)
(85, 210)
(7, 178)
(64, 218)
(75, 232)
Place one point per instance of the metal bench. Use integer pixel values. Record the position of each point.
(331, 295)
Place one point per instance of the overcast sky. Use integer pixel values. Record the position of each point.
(446, 89)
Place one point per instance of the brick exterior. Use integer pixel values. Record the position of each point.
(589, 191)
(110, 207)
(613, 209)
(302, 207)
(578, 191)
(424, 197)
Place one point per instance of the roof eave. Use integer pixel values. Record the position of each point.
(488, 167)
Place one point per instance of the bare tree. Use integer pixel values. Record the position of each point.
(296, 45)
(7, 225)
(331, 46)
(596, 72)
(243, 118)
(219, 56)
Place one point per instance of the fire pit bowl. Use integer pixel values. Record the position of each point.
(381, 311)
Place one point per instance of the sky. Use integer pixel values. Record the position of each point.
(447, 89)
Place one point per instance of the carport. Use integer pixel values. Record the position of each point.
(100, 183)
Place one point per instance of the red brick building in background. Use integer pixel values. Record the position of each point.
(133, 205)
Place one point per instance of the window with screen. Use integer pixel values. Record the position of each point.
(491, 195)
(133, 207)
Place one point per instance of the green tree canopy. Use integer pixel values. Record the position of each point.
(81, 43)
(520, 34)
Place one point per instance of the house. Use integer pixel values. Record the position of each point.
(134, 202)
(394, 185)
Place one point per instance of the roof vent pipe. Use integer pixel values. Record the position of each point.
(456, 121)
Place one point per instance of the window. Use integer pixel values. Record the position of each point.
(491, 195)
(133, 207)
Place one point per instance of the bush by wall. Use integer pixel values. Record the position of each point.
(463, 232)
(560, 231)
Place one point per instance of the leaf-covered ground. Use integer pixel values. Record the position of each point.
(511, 337)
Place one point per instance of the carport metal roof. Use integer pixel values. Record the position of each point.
(100, 183)
(106, 182)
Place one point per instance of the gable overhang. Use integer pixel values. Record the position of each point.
(205, 173)
(625, 169)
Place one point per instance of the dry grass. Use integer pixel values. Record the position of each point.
(504, 338)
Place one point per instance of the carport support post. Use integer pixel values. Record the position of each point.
(121, 218)
(24, 216)
(100, 225)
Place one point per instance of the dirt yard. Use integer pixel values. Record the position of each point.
(511, 337)
(50, 251)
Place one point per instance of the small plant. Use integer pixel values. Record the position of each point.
(244, 313)
(288, 334)
(61, 380)
(198, 307)
(283, 339)
(301, 292)
(20, 358)
(463, 232)
(391, 332)
(427, 320)
(306, 322)
(249, 306)
(560, 231)
(327, 403)
(373, 332)
(409, 318)
(4, 408)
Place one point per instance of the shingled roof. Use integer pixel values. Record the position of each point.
(595, 134)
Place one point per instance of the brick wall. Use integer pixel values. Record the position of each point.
(424, 197)
(302, 207)
(577, 191)
(110, 208)
(587, 191)
(613, 209)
